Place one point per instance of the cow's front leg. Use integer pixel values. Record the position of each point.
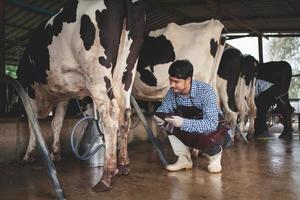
(56, 126)
(110, 122)
(123, 159)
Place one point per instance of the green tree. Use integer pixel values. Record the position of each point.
(288, 49)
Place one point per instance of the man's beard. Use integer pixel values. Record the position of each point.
(180, 92)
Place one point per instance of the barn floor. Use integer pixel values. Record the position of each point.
(263, 169)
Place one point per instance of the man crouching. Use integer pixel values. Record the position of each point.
(190, 115)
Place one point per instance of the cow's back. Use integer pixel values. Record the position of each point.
(274, 71)
(197, 42)
(72, 43)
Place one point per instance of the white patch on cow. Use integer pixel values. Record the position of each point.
(244, 99)
(192, 42)
(148, 68)
(88, 7)
(230, 116)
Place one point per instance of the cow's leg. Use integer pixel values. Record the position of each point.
(224, 100)
(263, 103)
(42, 109)
(251, 112)
(242, 114)
(286, 110)
(56, 126)
(123, 159)
(242, 110)
(29, 156)
(109, 116)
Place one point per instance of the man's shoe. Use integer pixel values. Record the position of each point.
(183, 162)
(214, 165)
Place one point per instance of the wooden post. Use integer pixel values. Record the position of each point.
(2, 57)
(260, 48)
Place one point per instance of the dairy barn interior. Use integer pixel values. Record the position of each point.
(265, 168)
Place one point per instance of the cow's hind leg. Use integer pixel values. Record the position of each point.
(42, 110)
(263, 103)
(56, 126)
(109, 113)
(286, 110)
(123, 159)
(29, 156)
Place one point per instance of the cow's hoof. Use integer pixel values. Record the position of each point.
(55, 157)
(286, 136)
(101, 187)
(194, 154)
(27, 161)
(123, 170)
(249, 137)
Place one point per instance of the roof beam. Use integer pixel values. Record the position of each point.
(31, 8)
(214, 5)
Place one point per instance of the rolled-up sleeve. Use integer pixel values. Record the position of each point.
(167, 106)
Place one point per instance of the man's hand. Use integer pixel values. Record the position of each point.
(175, 120)
(158, 120)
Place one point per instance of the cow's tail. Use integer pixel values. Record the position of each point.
(23, 71)
(129, 8)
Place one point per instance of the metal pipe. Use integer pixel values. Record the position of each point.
(260, 49)
(32, 118)
(148, 130)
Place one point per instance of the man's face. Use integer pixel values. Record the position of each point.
(180, 86)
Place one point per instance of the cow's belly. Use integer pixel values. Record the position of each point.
(64, 85)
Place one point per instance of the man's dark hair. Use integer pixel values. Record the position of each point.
(181, 69)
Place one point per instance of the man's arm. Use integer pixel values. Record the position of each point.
(167, 105)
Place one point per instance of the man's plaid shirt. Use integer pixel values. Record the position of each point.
(204, 98)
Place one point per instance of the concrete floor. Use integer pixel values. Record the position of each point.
(263, 169)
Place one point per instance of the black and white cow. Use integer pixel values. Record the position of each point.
(236, 87)
(200, 43)
(89, 48)
(280, 74)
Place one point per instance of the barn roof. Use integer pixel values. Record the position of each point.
(250, 16)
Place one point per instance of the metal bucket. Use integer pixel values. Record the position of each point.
(92, 139)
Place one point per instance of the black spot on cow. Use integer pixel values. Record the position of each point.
(87, 32)
(213, 47)
(223, 37)
(136, 34)
(155, 50)
(104, 62)
(35, 60)
(248, 68)
(68, 15)
(110, 24)
(109, 90)
(230, 69)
